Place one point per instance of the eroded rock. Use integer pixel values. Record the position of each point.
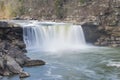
(34, 63)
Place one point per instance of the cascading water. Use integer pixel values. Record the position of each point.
(53, 36)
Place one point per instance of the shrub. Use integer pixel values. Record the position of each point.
(59, 9)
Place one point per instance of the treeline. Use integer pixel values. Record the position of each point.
(10, 8)
(37, 8)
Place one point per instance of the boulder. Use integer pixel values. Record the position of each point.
(24, 74)
(34, 63)
(13, 66)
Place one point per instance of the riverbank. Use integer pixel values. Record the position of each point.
(13, 51)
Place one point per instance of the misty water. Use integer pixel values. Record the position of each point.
(92, 63)
(72, 59)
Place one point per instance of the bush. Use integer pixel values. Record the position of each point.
(82, 1)
(59, 9)
(9, 9)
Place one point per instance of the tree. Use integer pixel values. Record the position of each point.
(59, 8)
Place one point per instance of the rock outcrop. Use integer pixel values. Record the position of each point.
(101, 36)
(34, 63)
(110, 38)
(12, 51)
(91, 32)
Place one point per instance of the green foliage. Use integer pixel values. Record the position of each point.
(59, 10)
(11, 9)
(20, 0)
(21, 9)
(1, 5)
(82, 1)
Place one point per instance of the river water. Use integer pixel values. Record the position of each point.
(92, 63)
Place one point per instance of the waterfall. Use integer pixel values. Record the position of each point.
(53, 36)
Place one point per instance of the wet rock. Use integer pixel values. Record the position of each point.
(91, 29)
(24, 74)
(34, 63)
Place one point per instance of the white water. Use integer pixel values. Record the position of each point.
(53, 36)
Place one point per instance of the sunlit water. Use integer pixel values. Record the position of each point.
(82, 63)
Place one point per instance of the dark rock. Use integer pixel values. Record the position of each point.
(91, 32)
(3, 24)
(34, 63)
(24, 74)
(17, 18)
(20, 44)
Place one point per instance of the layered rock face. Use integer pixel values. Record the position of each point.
(106, 15)
(110, 25)
(12, 51)
(110, 38)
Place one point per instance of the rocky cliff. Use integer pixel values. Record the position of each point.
(12, 51)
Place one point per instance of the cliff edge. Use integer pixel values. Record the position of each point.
(13, 51)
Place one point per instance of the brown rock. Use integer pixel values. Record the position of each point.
(34, 63)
